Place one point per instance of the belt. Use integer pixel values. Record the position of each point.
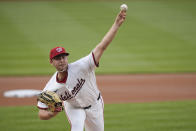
(88, 107)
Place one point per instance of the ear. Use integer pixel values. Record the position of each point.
(51, 62)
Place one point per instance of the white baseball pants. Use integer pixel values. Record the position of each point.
(91, 119)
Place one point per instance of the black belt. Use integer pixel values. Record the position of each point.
(87, 107)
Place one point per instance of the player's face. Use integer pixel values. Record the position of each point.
(60, 62)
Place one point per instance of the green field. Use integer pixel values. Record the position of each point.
(164, 116)
(157, 37)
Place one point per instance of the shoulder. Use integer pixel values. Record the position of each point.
(80, 61)
(88, 60)
(52, 85)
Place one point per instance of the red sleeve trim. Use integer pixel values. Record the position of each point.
(97, 64)
(42, 108)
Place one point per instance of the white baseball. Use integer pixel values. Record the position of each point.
(124, 7)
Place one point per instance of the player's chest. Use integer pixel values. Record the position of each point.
(71, 88)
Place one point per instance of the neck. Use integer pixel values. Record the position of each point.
(62, 74)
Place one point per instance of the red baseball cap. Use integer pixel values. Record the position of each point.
(57, 51)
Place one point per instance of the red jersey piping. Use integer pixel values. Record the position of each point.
(97, 64)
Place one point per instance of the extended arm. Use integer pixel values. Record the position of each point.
(46, 115)
(100, 48)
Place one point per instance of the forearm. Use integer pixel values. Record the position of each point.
(46, 115)
(107, 39)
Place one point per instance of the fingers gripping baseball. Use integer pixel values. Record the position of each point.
(52, 100)
(120, 17)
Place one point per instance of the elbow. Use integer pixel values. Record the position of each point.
(43, 115)
(101, 48)
(41, 118)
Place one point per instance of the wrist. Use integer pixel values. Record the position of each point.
(116, 26)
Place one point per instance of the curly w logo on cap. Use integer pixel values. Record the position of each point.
(57, 51)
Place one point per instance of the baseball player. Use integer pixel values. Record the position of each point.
(75, 85)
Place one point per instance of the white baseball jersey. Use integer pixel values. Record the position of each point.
(80, 88)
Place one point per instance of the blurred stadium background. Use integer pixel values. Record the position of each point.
(157, 37)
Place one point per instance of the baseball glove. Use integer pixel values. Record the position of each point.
(51, 99)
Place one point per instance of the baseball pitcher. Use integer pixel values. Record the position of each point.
(73, 86)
